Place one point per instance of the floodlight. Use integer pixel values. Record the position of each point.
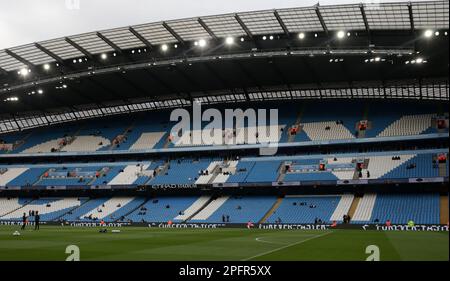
(428, 33)
(202, 43)
(24, 71)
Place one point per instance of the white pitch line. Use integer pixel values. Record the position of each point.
(287, 246)
(269, 242)
(260, 239)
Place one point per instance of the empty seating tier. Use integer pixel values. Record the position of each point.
(302, 209)
(325, 121)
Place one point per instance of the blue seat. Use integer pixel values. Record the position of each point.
(291, 209)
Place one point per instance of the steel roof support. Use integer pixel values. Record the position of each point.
(49, 53)
(110, 43)
(207, 29)
(366, 23)
(19, 58)
(78, 47)
(322, 22)
(280, 21)
(140, 37)
(244, 27)
(411, 17)
(174, 34)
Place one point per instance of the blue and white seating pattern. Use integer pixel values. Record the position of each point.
(401, 208)
(120, 213)
(182, 172)
(77, 215)
(318, 122)
(161, 209)
(109, 208)
(27, 178)
(241, 209)
(49, 209)
(305, 209)
(8, 205)
(384, 166)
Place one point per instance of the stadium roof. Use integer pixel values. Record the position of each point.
(393, 16)
(284, 50)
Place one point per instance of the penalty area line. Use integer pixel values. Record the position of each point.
(260, 239)
(286, 246)
(269, 242)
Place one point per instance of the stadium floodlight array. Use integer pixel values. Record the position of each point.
(342, 20)
(401, 51)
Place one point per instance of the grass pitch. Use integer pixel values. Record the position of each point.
(219, 244)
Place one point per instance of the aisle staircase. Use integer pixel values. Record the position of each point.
(443, 170)
(272, 210)
(195, 208)
(297, 123)
(281, 173)
(444, 209)
(352, 210)
(124, 134)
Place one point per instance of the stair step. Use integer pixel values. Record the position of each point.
(297, 123)
(272, 210)
(353, 207)
(444, 209)
(442, 169)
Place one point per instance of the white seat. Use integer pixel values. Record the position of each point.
(60, 204)
(210, 209)
(45, 147)
(408, 125)
(11, 174)
(86, 144)
(110, 206)
(317, 131)
(129, 175)
(147, 140)
(365, 207)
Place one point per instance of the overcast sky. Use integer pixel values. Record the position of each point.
(27, 21)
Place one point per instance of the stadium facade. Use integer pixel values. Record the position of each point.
(361, 93)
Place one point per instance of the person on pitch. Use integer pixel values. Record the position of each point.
(37, 219)
(24, 221)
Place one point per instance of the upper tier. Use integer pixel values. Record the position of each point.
(297, 123)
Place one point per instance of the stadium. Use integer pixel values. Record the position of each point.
(313, 133)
